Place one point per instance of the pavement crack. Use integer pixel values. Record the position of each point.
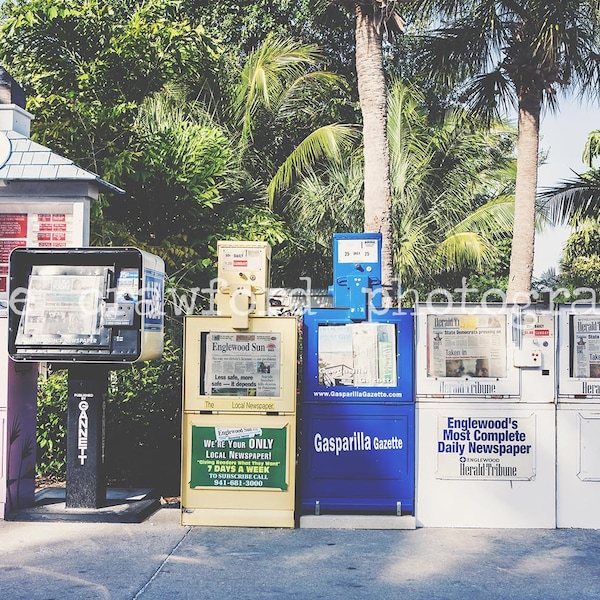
(161, 566)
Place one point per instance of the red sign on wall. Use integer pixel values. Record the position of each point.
(13, 226)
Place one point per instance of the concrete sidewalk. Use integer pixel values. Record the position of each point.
(159, 558)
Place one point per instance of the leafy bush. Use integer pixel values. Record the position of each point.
(143, 424)
(51, 434)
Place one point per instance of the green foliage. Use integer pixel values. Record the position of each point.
(130, 90)
(92, 73)
(51, 434)
(580, 265)
(243, 26)
(592, 148)
(87, 66)
(324, 201)
(451, 187)
(278, 106)
(175, 172)
(143, 423)
(327, 142)
(574, 201)
(452, 197)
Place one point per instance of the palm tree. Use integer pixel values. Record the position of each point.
(280, 85)
(373, 19)
(451, 192)
(519, 53)
(452, 196)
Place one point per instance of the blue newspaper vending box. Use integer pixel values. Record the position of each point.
(357, 406)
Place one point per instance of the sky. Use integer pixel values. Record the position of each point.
(562, 136)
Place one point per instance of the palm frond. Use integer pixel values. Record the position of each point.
(465, 47)
(168, 108)
(307, 92)
(573, 200)
(267, 75)
(325, 142)
(492, 219)
(465, 249)
(328, 201)
(414, 251)
(409, 141)
(488, 95)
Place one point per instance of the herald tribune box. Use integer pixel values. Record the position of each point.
(476, 351)
(92, 305)
(579, 352)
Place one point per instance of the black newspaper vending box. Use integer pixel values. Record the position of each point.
(89, 310)
(85, 305)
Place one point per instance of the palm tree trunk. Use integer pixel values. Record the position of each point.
(521, 258)
(373, 103)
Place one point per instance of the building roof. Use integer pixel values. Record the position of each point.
(24, 160)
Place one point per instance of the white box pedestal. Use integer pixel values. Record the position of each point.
(475, 495)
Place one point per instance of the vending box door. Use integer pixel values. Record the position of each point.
(238, 470)
(475, 352)
(85, 305)
(240, 371)
(346, 362)
(358, 457)
(579, 354)
(486, 465)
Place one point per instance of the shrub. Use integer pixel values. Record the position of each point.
(51, 433)
(143, 424)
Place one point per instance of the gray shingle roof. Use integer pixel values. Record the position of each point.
(29, 161)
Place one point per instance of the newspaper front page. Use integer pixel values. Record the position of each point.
(586, 346)
(357, 354)
(466, 345)
(243, 364)
(63, 310)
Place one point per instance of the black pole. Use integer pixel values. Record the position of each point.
(86, 479)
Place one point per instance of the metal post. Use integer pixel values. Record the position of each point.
(86, 480)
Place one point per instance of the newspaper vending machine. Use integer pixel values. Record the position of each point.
(239, 402)
(578, 417)
(485, 416)
(357, 412)
(87, 310)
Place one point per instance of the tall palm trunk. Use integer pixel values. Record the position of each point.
(521, 258)
(373, 103)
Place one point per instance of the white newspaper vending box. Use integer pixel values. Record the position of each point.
(578, 417)
(485, 386)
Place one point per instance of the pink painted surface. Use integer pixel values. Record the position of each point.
(18, 404)
(21, 424)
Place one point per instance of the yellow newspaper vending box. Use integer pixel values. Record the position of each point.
(239, 402)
